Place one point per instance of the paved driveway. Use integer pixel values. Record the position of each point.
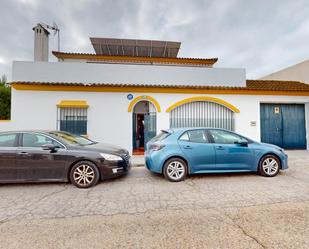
(142, 210)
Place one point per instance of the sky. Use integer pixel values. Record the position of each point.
(262, 36)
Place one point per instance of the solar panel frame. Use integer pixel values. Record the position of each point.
(134, 47)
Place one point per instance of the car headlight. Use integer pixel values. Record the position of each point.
(111, 157)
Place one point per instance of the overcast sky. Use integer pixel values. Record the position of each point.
(262, 36)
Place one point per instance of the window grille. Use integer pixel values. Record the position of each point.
(72, 119)
(202, 114)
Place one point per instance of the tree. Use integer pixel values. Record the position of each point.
(3, 81)
(5, 99)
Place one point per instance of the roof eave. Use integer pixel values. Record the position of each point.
(241, 90)
(119, 58)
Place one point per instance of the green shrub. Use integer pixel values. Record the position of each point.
(5, 99)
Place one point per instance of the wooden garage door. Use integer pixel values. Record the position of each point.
(283, 125)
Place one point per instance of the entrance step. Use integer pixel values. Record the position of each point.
(138, 160)
(139, 151)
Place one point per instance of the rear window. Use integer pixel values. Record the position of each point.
(162, 135)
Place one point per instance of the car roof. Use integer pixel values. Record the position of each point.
(21, 131)
(192, 128)
(26, 131)
(178, 131)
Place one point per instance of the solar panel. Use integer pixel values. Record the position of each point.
(137, 48)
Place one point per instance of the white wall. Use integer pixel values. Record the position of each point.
(109, 120)
(6, 125)
(88, 73)
(298, 72)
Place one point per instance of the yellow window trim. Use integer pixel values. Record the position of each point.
(202, 98)
(144, 97)
(5, 120)
(73, 103)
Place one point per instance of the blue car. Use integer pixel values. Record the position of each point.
(176, 153)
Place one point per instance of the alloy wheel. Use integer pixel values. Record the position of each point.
(83, 175)
(175, 170)
(270, 166)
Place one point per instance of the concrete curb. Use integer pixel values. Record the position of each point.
(138, 161)
(138, 165)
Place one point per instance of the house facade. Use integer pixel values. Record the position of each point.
(129, 90)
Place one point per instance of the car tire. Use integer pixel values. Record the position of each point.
(175, 169)
(269, 166)
(84, 174)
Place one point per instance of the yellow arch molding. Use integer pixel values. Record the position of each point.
(144, 97)
(210, 99)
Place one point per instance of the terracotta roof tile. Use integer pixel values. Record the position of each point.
(252, 85)
(120, 58)
(277, 85)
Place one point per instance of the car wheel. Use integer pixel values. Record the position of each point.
(269, 166)
(175, 170)
(84, 174)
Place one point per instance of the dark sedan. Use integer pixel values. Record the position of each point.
(46, 156)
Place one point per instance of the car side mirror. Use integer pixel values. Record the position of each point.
(242, 143)
(50, 147)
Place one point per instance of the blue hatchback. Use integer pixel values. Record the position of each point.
(179, 152)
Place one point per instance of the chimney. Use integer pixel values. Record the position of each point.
(40, 43)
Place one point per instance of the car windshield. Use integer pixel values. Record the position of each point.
(72, 139)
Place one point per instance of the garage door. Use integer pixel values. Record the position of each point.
(202, 114)
(283, 125)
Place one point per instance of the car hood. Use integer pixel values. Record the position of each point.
(272, 146)
(106, 148)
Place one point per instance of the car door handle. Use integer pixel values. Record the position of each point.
(23, 153)
(188, 147)
(219, 147)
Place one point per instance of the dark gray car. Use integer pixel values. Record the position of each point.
(46, 156)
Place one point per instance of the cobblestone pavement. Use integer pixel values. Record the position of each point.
(143, 210)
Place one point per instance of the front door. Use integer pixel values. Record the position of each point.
(144, 125)
(231, 155)
(138, 131)
(33, 163)
(8, 146)
(198, 150)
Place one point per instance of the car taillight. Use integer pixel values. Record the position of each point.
(156, 147)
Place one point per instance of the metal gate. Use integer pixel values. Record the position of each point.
(202, 114)
(150, 126)
(283, 125)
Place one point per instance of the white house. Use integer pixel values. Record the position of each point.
(299, 72)
(128, 90)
